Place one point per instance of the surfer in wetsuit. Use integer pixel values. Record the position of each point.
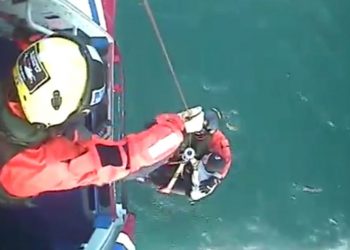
(213, 155)
(54, 82)
(206, 176)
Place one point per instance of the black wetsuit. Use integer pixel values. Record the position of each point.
(162, 175)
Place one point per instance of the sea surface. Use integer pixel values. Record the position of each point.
(280, 72)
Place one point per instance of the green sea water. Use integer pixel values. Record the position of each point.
(279, 70)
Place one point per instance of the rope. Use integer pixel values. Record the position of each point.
(165, 53)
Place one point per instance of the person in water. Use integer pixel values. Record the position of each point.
(210, 140)
(206, 176)
(56, 81)
(213, 161)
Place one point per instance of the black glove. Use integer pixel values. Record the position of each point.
(208, 185)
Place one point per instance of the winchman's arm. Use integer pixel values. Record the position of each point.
(60, 164)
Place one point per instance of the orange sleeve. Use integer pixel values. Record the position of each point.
(220, 144)
(169, 118)
(59, 165)
(156, 144)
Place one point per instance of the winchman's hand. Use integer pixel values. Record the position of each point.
(187, 114)
(194, 119)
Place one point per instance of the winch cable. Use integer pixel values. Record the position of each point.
(165, 53)
(170, 65)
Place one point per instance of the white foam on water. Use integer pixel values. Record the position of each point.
(251, 247)
(320, 113)
(302, 97)
(312, 238)
(215, 88)
(231, 127)
(332, 221)
(343, 244)
(206, 237)
(331, 124)
(253, 228)
(309, 189)
(231, 119)
(306, 188)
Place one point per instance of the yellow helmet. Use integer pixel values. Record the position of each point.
(57, 77)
